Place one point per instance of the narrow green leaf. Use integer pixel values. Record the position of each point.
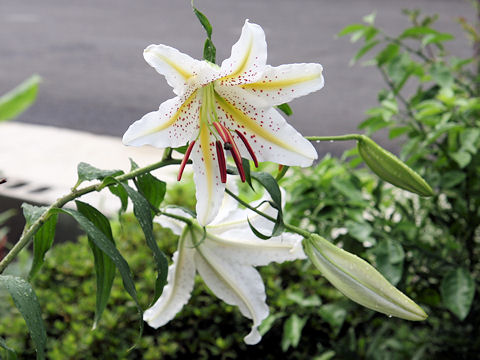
(417, 31)
(120, 192)
(246, 169)
(351, 29)
(141, 209)
(32, 212)
(42, 243)
(285, 108)
(204, 21)
(387, 54)
(363, 50)
(87, 172)
(209, 51)
(27, 303)
(104, 266)
(271, 185)
(292, 331)
(152, 189)
(19, 99)
(104, 244)
(458, 290)
(11, 355)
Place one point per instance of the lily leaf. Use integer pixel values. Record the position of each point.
(104, 266)
(27, 303)
(141, 209)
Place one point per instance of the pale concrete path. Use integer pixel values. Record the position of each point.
(40, 162)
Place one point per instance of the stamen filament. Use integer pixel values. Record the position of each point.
(249, 148)
(235, 153)
(220, 131)
(185, 160)
(221, 162)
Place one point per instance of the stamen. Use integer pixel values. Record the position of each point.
(221, 162)
(185, 160)
(249, 148)
(236, 156)
(220, 130)
(3, 181)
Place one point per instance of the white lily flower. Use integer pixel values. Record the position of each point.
(225, 256)
(227, 107)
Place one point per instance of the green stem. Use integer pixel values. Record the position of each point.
(29, 232)
(335, 138)
(289, 227)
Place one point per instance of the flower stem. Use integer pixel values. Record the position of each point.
(29, 232)
(289, 227)
(335, 138)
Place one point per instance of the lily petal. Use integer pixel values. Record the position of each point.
(208, 186)
(180, 281)
(236, 284)
(269, 135)
(173, 125)
(282, 84)
(248, 57)
(175, 225)
(180, 70)
(242, 246)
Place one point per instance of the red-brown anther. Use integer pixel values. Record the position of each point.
(236, 155)
(221, 162)
(3, 181)
(249, 148)
(185, 160)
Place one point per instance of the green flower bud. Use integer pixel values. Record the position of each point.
(359, 281)
(390, 168)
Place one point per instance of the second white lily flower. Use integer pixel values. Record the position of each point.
(225, 256)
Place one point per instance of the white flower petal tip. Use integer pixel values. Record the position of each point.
(253, 337)
(359, 281)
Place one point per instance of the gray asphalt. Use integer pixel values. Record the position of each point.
(89, 53)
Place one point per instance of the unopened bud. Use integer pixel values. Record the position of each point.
(359, 281)
(390, 168)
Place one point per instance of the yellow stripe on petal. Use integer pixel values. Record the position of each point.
(174, 118)
(207, 158)
(252, 125)
(243, 66)
(183, 72)
(282, 83)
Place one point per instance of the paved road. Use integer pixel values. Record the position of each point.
(89, 53)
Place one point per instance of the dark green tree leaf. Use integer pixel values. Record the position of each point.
(292, 331)
(27, 303)
(458, 290)
(104, 266)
